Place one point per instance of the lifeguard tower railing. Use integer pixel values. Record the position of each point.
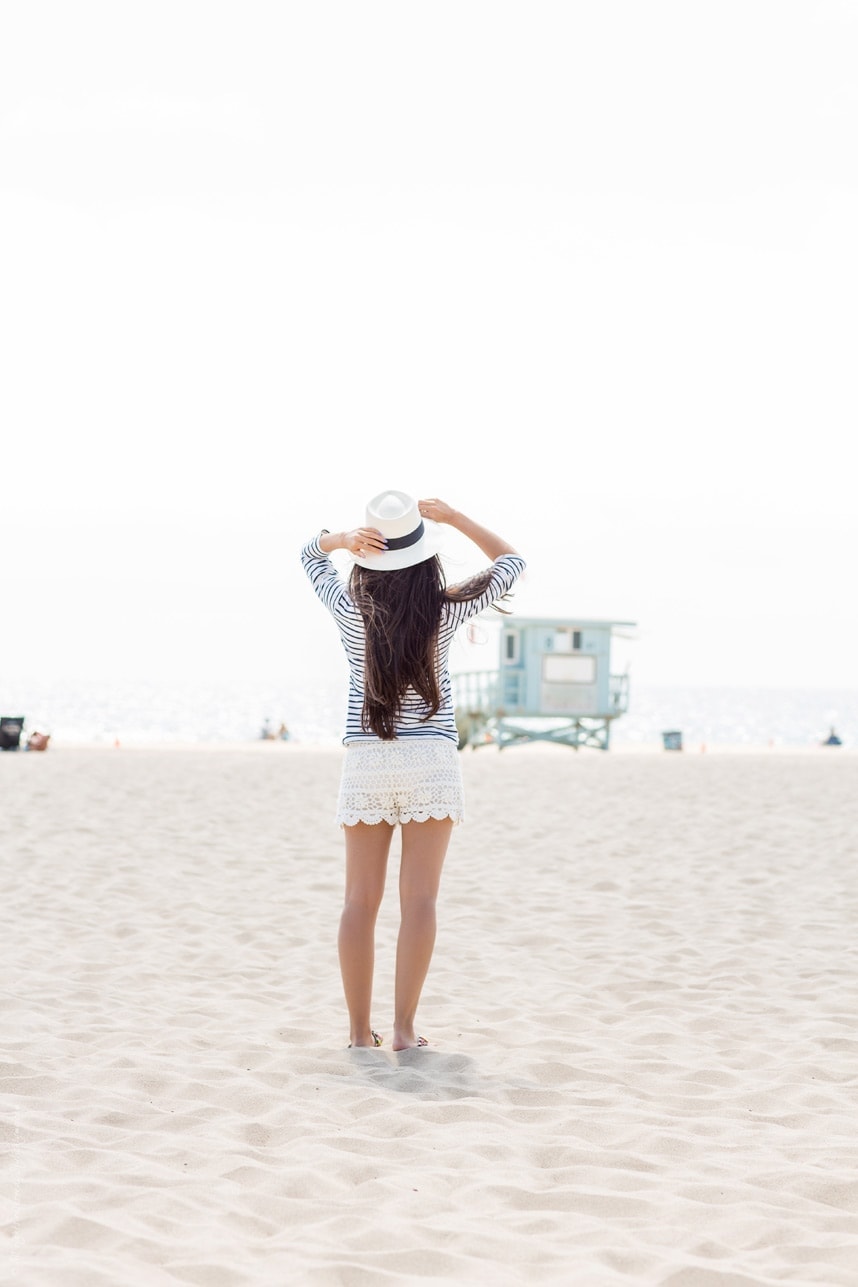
(482, 720)
(553, 684)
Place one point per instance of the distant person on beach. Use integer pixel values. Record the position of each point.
(397, 617)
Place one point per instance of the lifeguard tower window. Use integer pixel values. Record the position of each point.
(566, 640)
(511, 646)
(568, 670)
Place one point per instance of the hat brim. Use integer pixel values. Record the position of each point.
(392, 560)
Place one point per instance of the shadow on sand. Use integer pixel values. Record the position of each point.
(426, 1073)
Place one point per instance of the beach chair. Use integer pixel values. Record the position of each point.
(10, 732)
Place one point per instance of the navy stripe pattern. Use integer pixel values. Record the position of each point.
(333, 592)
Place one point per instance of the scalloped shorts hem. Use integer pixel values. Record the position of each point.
(406, 780)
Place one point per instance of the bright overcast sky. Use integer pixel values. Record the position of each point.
(587, 271)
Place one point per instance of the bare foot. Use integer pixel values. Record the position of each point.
(416, 1043)
(374, 1040)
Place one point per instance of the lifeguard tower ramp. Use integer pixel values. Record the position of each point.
(553, 684)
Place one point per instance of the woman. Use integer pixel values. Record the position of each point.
(397, 618)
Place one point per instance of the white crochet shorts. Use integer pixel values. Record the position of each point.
(408, 779)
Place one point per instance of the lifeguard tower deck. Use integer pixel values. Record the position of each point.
(553, 684)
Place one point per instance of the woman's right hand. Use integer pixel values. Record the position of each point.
(440, 512)
(436, 510)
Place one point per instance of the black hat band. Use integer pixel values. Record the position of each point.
(402, 542)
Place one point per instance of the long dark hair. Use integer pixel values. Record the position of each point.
(401, 612)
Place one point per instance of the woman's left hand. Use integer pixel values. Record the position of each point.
(364, 540)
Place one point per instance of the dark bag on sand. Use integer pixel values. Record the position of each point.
(10, 732)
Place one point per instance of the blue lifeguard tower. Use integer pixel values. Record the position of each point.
(553, 684)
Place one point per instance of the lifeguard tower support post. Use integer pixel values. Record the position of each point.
(555, 675)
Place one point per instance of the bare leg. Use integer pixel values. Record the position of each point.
(424, 847)
(366, 867)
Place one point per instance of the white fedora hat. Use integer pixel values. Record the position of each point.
(409, 539)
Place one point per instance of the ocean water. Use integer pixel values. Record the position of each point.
(140, 712)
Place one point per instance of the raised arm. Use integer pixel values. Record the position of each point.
(439, 511)
(360, 540)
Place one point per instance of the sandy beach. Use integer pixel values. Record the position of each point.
(642, 1008)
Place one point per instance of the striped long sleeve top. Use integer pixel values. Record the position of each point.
(413, 720)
